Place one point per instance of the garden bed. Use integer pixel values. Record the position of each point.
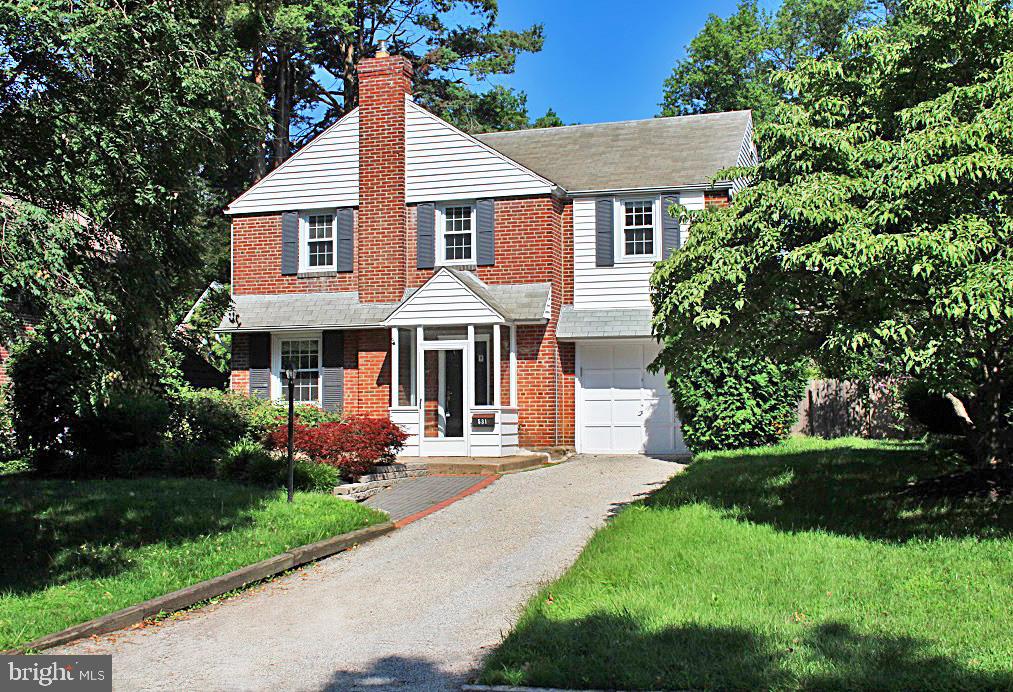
(805, 565)
(76, 550)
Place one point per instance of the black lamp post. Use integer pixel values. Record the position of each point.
(290, 376)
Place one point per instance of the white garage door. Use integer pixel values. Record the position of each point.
(623, 408)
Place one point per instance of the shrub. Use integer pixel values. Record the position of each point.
(181, 460)
(249, 462)
(728, 399)
(354, 446)
(8, 441)
(52, 378)
(120, 423)
(220, 419)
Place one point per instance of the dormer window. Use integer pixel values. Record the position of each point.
(456, 234)
(638, 237)
(318, 250)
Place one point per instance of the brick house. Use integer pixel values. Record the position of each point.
(487, 293)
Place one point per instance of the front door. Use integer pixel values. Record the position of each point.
(444, 407)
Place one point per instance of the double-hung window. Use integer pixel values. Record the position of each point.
(457, 234)
(318, 242)
(301, 355)
(637, 228)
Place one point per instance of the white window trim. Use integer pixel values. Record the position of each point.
(441, 229)
(279, 393)
(304, 241)
(620, 235)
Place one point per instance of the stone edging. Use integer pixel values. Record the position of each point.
(188, 596)
(510, 688)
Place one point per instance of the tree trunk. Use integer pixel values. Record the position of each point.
(282, 112)
(985, 424)
(260, 152)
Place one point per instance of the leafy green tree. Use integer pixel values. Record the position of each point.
(878, 229)
(730, 63)
(550, 119)
(118, 126)
(455, 46)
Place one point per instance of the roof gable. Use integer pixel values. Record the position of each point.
(441, 163)
(324, 173)
(445, 163)
(445, 299)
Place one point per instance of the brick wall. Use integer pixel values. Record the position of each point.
(528, 246)
(383, 83)
(367, 372)
(715, 198)
(240, 364)
(256, 261)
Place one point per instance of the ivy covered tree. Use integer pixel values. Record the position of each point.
(878, 229)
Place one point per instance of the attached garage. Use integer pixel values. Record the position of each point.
(622, 408)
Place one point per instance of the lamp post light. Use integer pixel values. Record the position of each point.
(290, 376)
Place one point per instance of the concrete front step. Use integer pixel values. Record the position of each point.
(483, 466)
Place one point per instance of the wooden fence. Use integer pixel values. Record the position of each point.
(836, 408)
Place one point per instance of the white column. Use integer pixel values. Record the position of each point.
(469, 368)
(395, 353)
(496, 401)
(420, 376)
(513, 365)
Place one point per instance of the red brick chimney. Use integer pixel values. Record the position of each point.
(384, 80)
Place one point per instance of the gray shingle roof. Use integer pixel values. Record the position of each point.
(524, 302)
(294, 310)
(588, 324)
(519, 302)
(636, 154)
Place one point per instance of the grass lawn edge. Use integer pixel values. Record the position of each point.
(188, 596)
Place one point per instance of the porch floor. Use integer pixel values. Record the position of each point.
(477, 466)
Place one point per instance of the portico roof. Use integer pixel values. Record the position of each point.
(437, 304)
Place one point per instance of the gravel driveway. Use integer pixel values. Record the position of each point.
(416, 609)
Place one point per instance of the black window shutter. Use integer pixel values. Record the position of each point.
(260, 365)
(290, 243)
(426, 235)
(485, 220)
(604, 233)
(332, 373)
(344, 223)
(671, 237)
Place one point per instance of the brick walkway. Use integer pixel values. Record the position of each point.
(416, 495)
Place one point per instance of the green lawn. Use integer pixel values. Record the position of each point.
(798, 566)
(73, 551)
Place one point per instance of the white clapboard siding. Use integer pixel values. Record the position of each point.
(443, 163)
(747, 156)
(625, 285)
(323, 174)
(443, 300)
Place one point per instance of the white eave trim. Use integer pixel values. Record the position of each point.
(302, 328)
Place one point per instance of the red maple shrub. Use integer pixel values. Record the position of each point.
(353, 446)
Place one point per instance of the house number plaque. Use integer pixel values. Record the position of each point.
(484, 421)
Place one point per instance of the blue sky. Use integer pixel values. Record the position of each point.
(603, 60)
